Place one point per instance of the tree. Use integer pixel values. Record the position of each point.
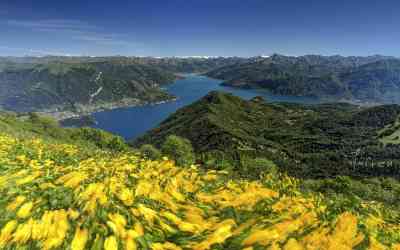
(179, 149)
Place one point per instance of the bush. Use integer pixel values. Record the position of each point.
(253, 167)
(44, 122)
(179, 149)
(44, 125)
(100, 138)
(150, 152)
(216, 159)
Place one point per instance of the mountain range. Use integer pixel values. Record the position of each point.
(373, 79)
(70, 86)
(62, 86)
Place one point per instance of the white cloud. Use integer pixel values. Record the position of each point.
(75, 29)
(52, 24)
(34, 52)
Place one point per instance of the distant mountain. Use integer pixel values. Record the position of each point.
(77, 85)
(86, 84)
(306, 140)
(192, 64)
(73, 85)
(369, 79)
(172, 64)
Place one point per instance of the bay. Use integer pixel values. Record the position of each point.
(131, 122)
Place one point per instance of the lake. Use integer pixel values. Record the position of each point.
(131, 122)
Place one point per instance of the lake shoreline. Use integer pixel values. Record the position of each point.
(88, 110)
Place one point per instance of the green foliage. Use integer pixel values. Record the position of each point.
(70, 86)
(383, 189)
(254, 167)
(32, 125)
(45, 122)
(150, 152)
(311, 141)
(344, 192)
(179, 149)
(101, 138)
(215, 160)
(370, 79)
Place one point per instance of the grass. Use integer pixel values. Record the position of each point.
(391, 133)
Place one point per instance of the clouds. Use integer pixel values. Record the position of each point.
(75, 29)
(31, 52)
(53, 24)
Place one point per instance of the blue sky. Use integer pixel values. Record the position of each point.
(199, 27)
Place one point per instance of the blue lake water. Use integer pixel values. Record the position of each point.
(132, 122)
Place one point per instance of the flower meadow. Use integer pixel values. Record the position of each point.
(60, 196)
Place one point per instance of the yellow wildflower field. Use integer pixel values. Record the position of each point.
(53, 196)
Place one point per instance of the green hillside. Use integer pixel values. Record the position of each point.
(367, 79)
(308, 140)
(64, 192)
(336, 148)
(77, 86)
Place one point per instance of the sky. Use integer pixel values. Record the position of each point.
(199, 27)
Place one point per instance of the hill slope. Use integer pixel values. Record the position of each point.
(80, 87)
(305, 140)
(369, 79)
(56, 195)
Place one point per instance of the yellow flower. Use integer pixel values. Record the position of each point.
(58, 230)
(139, 228)
(126, 196)
(143, 188)
(6, 232)
(16, 203)
(93, 194)
(73, 214)
(28, 178)
(345, 233)
(25, 210)
(292, 244)
(72, 179)
(80, 239)
(149, 214)
(167, 228)
(130, 243)
(222, 231)
(111, 243)
(46, 185)
(396, 246)
(375, 245)
(23, 232)
(165, 246)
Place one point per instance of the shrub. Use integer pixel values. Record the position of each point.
(253, 167)
(100, 138)
(45, 122)
(179, 149)
(150, 152)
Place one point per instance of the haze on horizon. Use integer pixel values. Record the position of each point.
(198, 28)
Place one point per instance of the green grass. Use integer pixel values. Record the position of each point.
(32, 125)
(391, 133)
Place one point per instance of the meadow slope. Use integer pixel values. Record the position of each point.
(58, 196)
